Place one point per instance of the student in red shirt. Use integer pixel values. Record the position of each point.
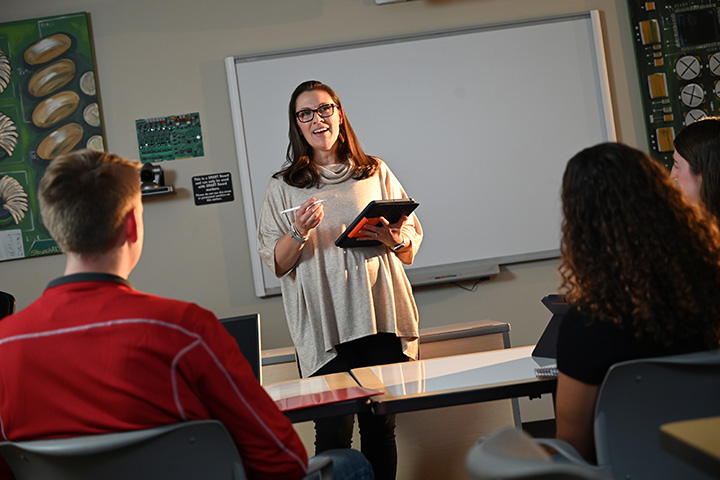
(93, 355)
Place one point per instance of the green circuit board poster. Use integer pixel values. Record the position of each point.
(677, 47)
(48, 106)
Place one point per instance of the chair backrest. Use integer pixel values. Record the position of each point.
(510, 454)
(201, 449)
(245, 329)
(637, 397)
(7, 304)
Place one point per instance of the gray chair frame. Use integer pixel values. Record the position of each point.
(187, 450)
(635, 399)
(639, 396)
(193, 450)
(510, 454)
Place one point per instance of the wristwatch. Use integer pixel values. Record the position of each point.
(398, 246)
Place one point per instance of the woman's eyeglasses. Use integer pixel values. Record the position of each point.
(307, 114)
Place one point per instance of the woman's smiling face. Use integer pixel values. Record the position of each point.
(689, 182)
(320, 133)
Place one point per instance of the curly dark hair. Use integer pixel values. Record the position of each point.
(699, 145)
(299, 169)
(634, 252)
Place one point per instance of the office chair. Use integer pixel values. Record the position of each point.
(7, 304)
(640, 395)
(510, 453)
(637, 397)
(200, 449)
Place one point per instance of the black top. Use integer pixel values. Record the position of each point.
(587, 349)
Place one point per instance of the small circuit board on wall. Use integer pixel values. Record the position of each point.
(169, 138)
(677, 47)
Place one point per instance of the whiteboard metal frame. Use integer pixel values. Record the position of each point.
(422, 275)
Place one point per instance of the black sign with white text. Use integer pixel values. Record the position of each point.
(213, 188)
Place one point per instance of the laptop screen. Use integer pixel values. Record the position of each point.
(245, 330)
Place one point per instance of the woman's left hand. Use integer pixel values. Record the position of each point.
(388, 233)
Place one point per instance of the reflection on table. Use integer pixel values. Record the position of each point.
(317, 397)
(455, 380)
(695, 441)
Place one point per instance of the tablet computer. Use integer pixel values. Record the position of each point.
(392, 210)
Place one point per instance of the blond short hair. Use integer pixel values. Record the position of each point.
(84, 198)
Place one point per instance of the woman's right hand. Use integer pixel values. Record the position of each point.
(308, 216)
(287, 249)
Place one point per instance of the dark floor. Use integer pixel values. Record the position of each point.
(540, 428)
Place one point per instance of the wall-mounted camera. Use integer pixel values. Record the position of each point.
(152, 181)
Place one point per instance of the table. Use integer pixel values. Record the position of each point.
(319, 397)
(419, 385)
(280, 368)
(455, 380)
(465, 337)
(695, 441)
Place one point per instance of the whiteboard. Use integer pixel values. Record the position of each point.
(477, 124)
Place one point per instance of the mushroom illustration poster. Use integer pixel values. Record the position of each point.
(48, 106)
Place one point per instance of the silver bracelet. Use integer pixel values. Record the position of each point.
(296, 235)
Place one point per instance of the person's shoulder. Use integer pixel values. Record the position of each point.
(582, 347)
(13, 324)
(277, 186)
(170, 308)
(381, 163)
(276, 181)
(579, 325)
(188, 316)
(574, 320)
(274, 184)
(18, 321)
(577, 333)
(382, 168)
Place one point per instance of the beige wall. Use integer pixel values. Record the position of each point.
(158, 58)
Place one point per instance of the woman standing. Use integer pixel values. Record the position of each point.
(641, 270)
(346, 308)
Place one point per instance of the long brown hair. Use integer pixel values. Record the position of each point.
(699, 144)
(299, 169)
(634, 252)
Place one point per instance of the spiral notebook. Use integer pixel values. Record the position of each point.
(548, 371)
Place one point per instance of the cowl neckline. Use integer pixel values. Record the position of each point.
(335, 172)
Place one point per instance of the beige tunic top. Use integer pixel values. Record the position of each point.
(335, 295)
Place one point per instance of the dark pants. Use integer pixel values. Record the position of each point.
(377, 432)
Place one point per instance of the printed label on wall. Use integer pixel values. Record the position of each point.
(213, 188)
